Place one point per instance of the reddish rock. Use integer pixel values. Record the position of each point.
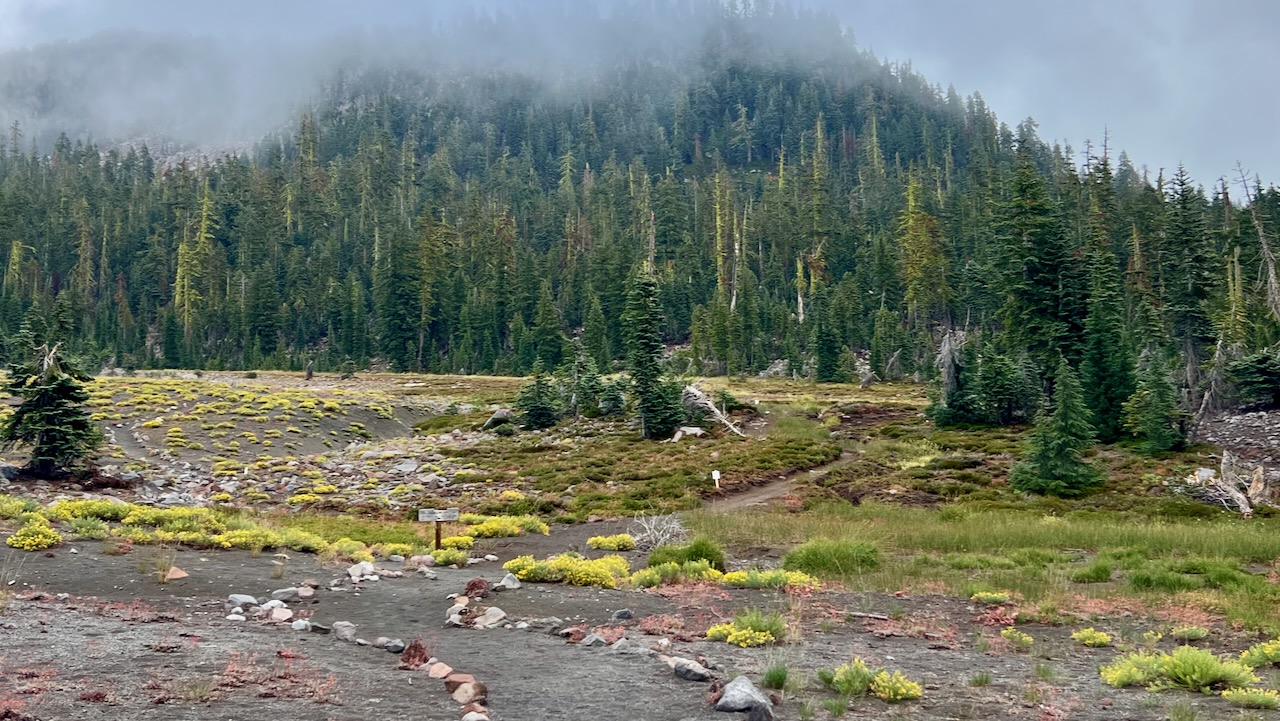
(454, 680)
(474, 707)
(440, 670)
(469, 692)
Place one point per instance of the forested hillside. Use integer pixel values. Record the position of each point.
(800, 199)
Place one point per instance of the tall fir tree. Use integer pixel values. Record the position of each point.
(52, 417)
(1106, 370)
(658, 411)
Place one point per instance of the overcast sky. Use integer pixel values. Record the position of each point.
(1171, 80)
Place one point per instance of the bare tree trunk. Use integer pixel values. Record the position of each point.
(694, 398)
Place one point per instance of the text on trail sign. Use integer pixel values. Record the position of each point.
(427, 515)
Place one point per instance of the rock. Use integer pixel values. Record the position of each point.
(691, 670)
(360, 570)
(403, 467)
(395, 646)
(742, 695)
(272, 605)
(174, 573)
(421, 561)
(509, 582)
(454, 680)
(242, 600)
(440, 670)
(474, 707)
(344, 631)
(428, 574)
(593, 640)
(381, 642)
(284, 594)
(320, 628)
(469, 692)
(622, 614)
(281, 614)
(500, 416)
(548, 622)
(761, 713)
(395, 558)
(306, 593)
(522, 625)
(457, 616)
(492, 616)
(620, 645)
(475, 716)
(301, 625)
(235, 617)
(594, 519)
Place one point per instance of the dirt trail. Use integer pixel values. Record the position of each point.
(762, 495)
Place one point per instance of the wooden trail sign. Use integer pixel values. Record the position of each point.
(438, 516)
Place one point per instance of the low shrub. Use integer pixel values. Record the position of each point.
(750, 628)
(450, 557)
(1252, 698)
(1092, 638)
(991, 598)
(457, 543)
(91, 528)
(832, 558)
(1262, 654)
(35, 535)
(619, 542)
(755, 578)
(571, 569)
(250, 539)
(1186, 668)
(1019, 640)
(895, 687)
(672, 573)
(701, 548)
(1095, 572)
(849, 679)
(1189, 633)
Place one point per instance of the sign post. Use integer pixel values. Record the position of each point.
(439, 515)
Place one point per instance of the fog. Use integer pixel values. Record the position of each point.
(1171, 81)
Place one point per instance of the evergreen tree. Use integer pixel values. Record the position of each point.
(1053, 464)
(595, 335)
(537, 402)
(52, 418)
(1257, 378)
(826, 342)
(1106, 370)
(1152, 412)
(658, 410)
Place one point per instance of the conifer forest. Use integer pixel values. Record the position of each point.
(835, 212)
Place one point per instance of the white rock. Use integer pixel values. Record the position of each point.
(492, 616)
(510, 582)
(273, 604)
(301, 625)
(742, 695)
(475, 716)
(243, 600)
(235, 617)
(490, 557)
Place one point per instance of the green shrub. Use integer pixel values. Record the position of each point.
(756, 620)
(775, 677)
(1019, 640)
(35, 535)
(1262, 654)
(1095, 572)
(1162, 580)
(450, 557)
(701, 548)
(1186, 668)
(1195, 669)
(990, 598)
(827, 557)
(91, 528)
(1252, 698)
(1189, 633)
(850, 679)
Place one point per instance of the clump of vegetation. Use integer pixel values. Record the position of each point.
(537, 402)
(832, 558)
(671, 573)
(1017, 639)
(990, 598)
(35, 534)
(619, 542)
(1252, 698)
(51, 419)
(1092, 638)
(755, 578)
(775, 677)
(1189, 633)
(895, 687)
(700, 548)
(856, 678)
(450, 557)
(571, 569)
(750, 628)
(1262, 654)
(503, 526)
(459, 543)
(1186, 668)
